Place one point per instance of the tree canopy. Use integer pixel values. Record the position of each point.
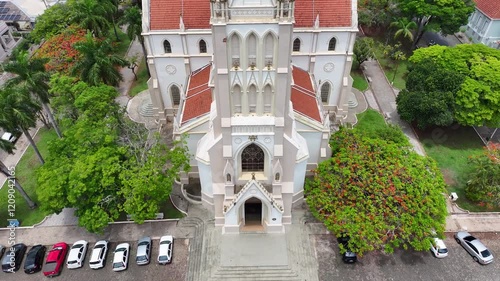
(381, 196)
(447, 84)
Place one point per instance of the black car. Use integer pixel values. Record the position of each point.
(34, 259)
(13, 257)
(347, 256)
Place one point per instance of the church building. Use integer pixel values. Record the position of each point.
(256, 86)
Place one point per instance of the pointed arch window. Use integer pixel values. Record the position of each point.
(252, 50)
(268, 99)
(252, 99)
(236, 99)
(252, 159)
(167, 47)
(332, 44)
(203, 46)
(235, 50)
(269, 50)
(175, 94)
(325, 92)
(296, 45)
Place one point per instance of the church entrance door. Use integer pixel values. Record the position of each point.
(253, 212)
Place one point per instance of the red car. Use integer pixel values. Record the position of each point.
(55, 260)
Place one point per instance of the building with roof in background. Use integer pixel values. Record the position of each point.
(484, 23)
(257, 87)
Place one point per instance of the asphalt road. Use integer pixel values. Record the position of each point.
(176, 271)
(408, 265)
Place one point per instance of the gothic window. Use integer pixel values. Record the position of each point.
(228, 177)
(296, 45)
(252, 50)
(268, 99)
(252, 99)
(175, 93)
(325, 92)
(277, 177)
(235, 50)
(236, 99)
(332, 44)
(269, 50)
(203, 46)
(252, 159)
(167, 47)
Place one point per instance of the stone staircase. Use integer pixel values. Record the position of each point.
(195, 246)
(146, 109)
(256, 273)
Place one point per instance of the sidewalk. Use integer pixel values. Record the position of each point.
(382, 97)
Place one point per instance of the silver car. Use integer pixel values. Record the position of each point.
(143, 251)
(478, 251)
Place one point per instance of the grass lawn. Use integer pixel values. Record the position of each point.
(26, 177)
(370, 121)
(168, 210)
(121, 47)
(359, 80)
(451, 148)
(142, 79)
(389, 68)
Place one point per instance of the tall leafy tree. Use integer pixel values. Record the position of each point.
(92, 15)
(98, 64)
(381, 196)
(483, 185)
(9, 148)
(375, 13)
(18, 112)
(133, 19)
(31, 75)
(53, 21)
(436, 15)
(363, 49)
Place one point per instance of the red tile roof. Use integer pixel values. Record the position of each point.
(491, 8)
(165, 14)
(303, 97)
(198, 96)
(332, 13)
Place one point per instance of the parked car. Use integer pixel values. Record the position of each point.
(143, 251)
(55, 259)
(438, 248)
(10, 137)
(13, 258)
(98, 255)
(34, 259)
(347, 256)
(120, 259)
(2, 250)
(166, 249)
(471, 244)
(77, 254)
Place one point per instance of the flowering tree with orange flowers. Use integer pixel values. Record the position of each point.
(60, 51)
(483, 185)
(380, 195)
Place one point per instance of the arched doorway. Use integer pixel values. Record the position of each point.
(253, 214)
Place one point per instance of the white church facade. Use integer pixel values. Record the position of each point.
(256, 86)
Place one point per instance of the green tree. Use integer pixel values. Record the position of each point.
(31, 75)
(133, 19)
(18, 112)
(363, 50)
(404, 28)
(92, 15)
(484, 179)
(98, 63)
(10, 174)
(436, 15)
(375, 13)
(380, 195)
(53, 21)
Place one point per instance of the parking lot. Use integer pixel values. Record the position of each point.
(175, 271)
(408, 265)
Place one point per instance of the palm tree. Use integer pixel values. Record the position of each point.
(91, 15)
(18, 111)
(31, 76)
(98, 63)
(404, 28)
(133, 19)
(9, 148)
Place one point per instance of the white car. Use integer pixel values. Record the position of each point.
(120, 259)
(98, 255)
(9, 137)
(438, 248)
(77, 254)
(166, 249)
